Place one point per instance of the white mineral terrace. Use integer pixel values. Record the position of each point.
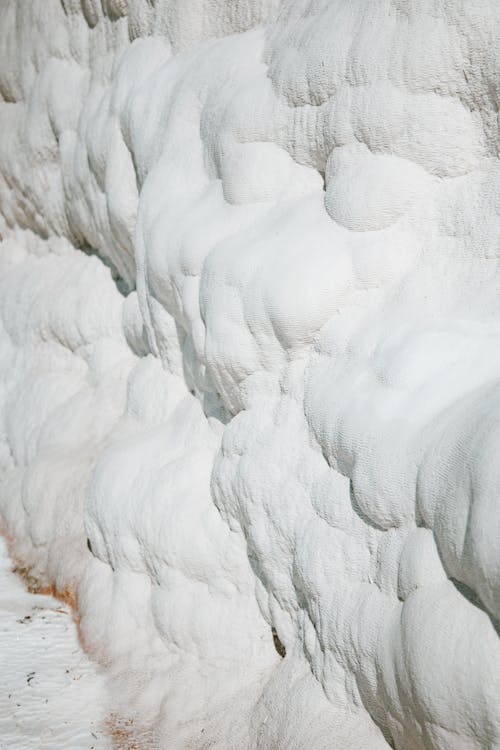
(250, 372)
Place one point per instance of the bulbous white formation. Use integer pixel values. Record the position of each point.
(249, 373)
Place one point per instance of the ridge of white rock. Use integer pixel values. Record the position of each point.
(249, 370)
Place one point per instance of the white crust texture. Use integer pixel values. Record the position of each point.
(250, 360)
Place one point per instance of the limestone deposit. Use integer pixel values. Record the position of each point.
(250, 361)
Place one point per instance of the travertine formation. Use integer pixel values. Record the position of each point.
(249, 361)
(52, 697)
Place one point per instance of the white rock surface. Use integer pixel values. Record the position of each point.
(51, 695)
(248, 350)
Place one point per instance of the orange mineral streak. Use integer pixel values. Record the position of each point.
(120, 729)
(66, 596)
(123, 737)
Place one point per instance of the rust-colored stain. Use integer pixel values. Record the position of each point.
(121, 730)
(123, 737)
(67, 595)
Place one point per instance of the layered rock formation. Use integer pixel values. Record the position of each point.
(249, 372)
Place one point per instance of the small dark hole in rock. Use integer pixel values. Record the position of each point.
(277, 644)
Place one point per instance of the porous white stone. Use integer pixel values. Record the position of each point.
(249, 360)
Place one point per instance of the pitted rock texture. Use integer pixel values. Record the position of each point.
(249, 372)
